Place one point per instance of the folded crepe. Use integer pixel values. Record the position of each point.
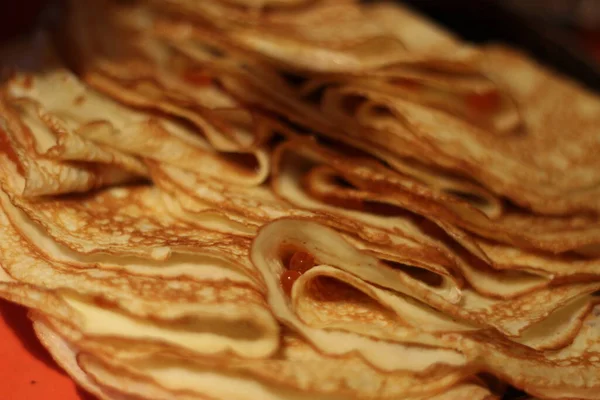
(45, 148)
(80, 263)
(93, 167)
(283, 99)
(298, 199)
(334, 331)
(491, 302)
(388, 48)
(355, 38)
(396, 109)
(101, 310)
(95, 119)
(283, 376)
(527, 168)
(311, 175)
(148, 74)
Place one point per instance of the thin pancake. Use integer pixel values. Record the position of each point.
(43, 176)
(96, 118)
(527, 168)
(511, 317)
(311, 177)
(66, 357)
(359, 39)
(535, 370)
(152, 76)
(297, 372)
(204, 317)
(258, 204)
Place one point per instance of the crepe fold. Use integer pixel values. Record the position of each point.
(147, 73)
(325, 309)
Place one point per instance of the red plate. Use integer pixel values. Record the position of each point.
(26, 369)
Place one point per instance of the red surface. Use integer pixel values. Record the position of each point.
(27, 372)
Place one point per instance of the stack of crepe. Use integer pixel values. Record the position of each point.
(299, 199)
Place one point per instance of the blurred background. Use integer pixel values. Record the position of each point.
(577, 20)
(580, 17)
(574, 23)
(564, 34)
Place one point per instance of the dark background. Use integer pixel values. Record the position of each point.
(562, 33)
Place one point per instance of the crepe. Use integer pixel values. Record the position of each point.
(478, 343)
(252, 377)
(63, 353)
(422, 283)
(255, 206)
(314, 177)
(87, 290)
(52, 159)
(389, 48)
(290, 199)
(359, 175)
(96, 119)
(328, 178)
(146, 74)
(265, 378)
(283, 99)
(357, 38)
(514, 119)
(78, 231)
(512, 317)
(509, 169)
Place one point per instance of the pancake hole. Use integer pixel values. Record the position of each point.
(287, 280)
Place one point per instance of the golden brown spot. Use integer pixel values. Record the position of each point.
(79, 100)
